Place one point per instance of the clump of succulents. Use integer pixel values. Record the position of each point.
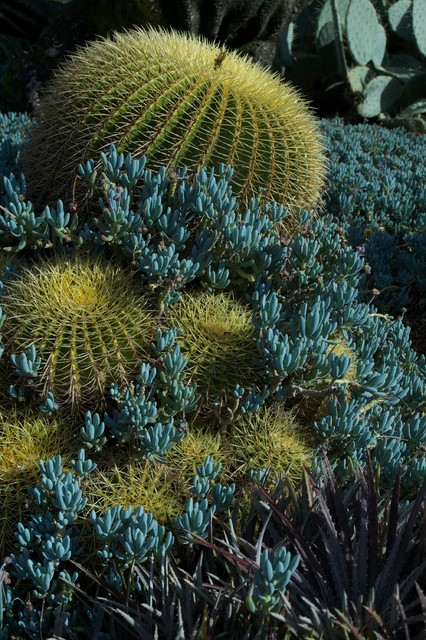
(377, 191)
(187, 236)
(176, 267)
(360, 557)
(180, 101)
(14, 128)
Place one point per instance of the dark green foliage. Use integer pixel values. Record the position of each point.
(377, 191)
(363, 561)
(25, 59)
(349, 540)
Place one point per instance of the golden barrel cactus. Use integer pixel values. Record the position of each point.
(180, 101)
(89, 322)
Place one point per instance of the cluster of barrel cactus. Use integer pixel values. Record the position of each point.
(162, 308)
(351, 369)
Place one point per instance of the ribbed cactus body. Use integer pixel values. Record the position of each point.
(218, 339)
(180, 101)
(132, 483)
(272, 438)
(88, 321)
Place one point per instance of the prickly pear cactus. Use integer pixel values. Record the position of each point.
(179, 101)
(88, 322)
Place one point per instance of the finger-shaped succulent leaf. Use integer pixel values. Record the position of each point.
(180, 101)
(88, 322)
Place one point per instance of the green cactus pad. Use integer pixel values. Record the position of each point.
(419, 24)
(364, 32)
(379, 95)
(218, 340)
(180, 101)
(399, 14)
(88, 321)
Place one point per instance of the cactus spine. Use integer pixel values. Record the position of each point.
(219, 341)
(178, 100)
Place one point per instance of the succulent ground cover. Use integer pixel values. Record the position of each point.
(160, 457)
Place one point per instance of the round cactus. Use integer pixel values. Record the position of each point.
(180, 101)
(25, 439)
(272, 438)
(192, 451)
(133, 483)
(88, 321)
(218, 339)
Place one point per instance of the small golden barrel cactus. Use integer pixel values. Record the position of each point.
(218, 339)
(25, 439)
(119, 480)
(180, 101)
(200, 442)
(274, 438)
(88, 322)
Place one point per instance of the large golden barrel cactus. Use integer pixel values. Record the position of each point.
(180, 101)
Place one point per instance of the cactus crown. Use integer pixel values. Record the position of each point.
(180, 101)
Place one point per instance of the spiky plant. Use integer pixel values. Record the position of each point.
(178, 100)
(25, 438)
(88, 321)
(133, 483)
(218, 339)
(200, 442)
(272, 438)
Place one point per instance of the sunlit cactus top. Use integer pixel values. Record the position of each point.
(180, 101)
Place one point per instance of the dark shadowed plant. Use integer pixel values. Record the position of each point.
(362, 562)
(363, 559)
